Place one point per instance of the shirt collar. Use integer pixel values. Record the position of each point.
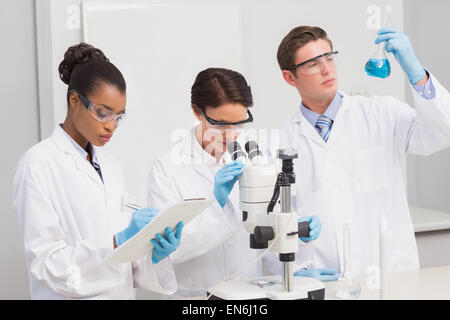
(331, 111)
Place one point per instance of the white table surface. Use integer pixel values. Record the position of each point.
(424, 284)
(429, 220)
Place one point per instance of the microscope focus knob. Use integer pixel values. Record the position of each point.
(303, 229)
(263, 233)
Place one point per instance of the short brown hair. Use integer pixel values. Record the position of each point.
(296, 39)
(216, 86)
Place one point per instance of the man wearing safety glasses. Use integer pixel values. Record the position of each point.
(352, 150)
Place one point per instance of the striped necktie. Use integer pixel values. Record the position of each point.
(97, 168)
(94, 162)
(324, 124)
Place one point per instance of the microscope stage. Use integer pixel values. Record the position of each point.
(269, 287)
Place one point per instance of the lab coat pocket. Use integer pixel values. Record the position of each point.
(370, 170)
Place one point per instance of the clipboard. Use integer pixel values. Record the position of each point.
(140, 246)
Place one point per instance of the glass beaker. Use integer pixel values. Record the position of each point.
(346, 287)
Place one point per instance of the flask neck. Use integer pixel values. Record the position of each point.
(380, 52)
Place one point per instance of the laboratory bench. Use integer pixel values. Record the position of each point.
(432, 231)
(423, 284)
(432, 281)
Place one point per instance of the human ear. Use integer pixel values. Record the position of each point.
(74, 100)
(197, 112)
(289, 77)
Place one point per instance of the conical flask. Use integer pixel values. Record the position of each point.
(378, 64)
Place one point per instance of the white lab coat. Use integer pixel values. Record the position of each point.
(67, 219)
(215, 243)
(357, 174)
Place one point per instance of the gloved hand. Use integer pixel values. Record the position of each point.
(139, 220)
(315, 226)
(225, 179)
(322, 274)
(165, 246)
(398, 43)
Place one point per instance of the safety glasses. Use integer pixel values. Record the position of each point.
(222, 125)
(100, 112)
(314, 65)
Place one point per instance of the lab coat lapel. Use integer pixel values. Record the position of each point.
(62, 142)
(307, 130)
(304, 128)
(340, 122)
(107, 174)
(194, 153)
(104, 167)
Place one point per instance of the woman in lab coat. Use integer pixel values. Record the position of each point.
(215, 244)
(353, 172)
(68, 196)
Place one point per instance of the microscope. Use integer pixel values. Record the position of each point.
(261, 188)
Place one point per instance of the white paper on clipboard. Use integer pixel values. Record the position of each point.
(140, 245)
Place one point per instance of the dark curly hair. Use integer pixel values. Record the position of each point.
(215, 86)
(84, 68)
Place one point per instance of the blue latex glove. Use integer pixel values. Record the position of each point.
(398, 44)
(139, 220)
(165, 246)
(322, 274)
(225, 179)
(315, 226)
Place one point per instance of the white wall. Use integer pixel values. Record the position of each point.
(427, 23)
(19, 131)
(154, 97)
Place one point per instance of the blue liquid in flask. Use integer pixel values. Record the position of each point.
(378, 68)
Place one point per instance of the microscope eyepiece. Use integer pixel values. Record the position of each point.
(235, 150)
(252, 149)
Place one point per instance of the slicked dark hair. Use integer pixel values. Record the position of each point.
(296, 39)
(216, 86)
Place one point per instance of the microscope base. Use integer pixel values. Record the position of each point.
(269, 287)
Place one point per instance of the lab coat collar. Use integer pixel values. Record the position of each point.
(330, 112)
(299, 117)
(93, 150)
(193, 154)
(307, 130)
(194, 151)
(59, 136)
(62, 141)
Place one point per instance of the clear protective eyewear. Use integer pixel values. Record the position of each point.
(100, 112)
(224, 125)
(314, 65)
